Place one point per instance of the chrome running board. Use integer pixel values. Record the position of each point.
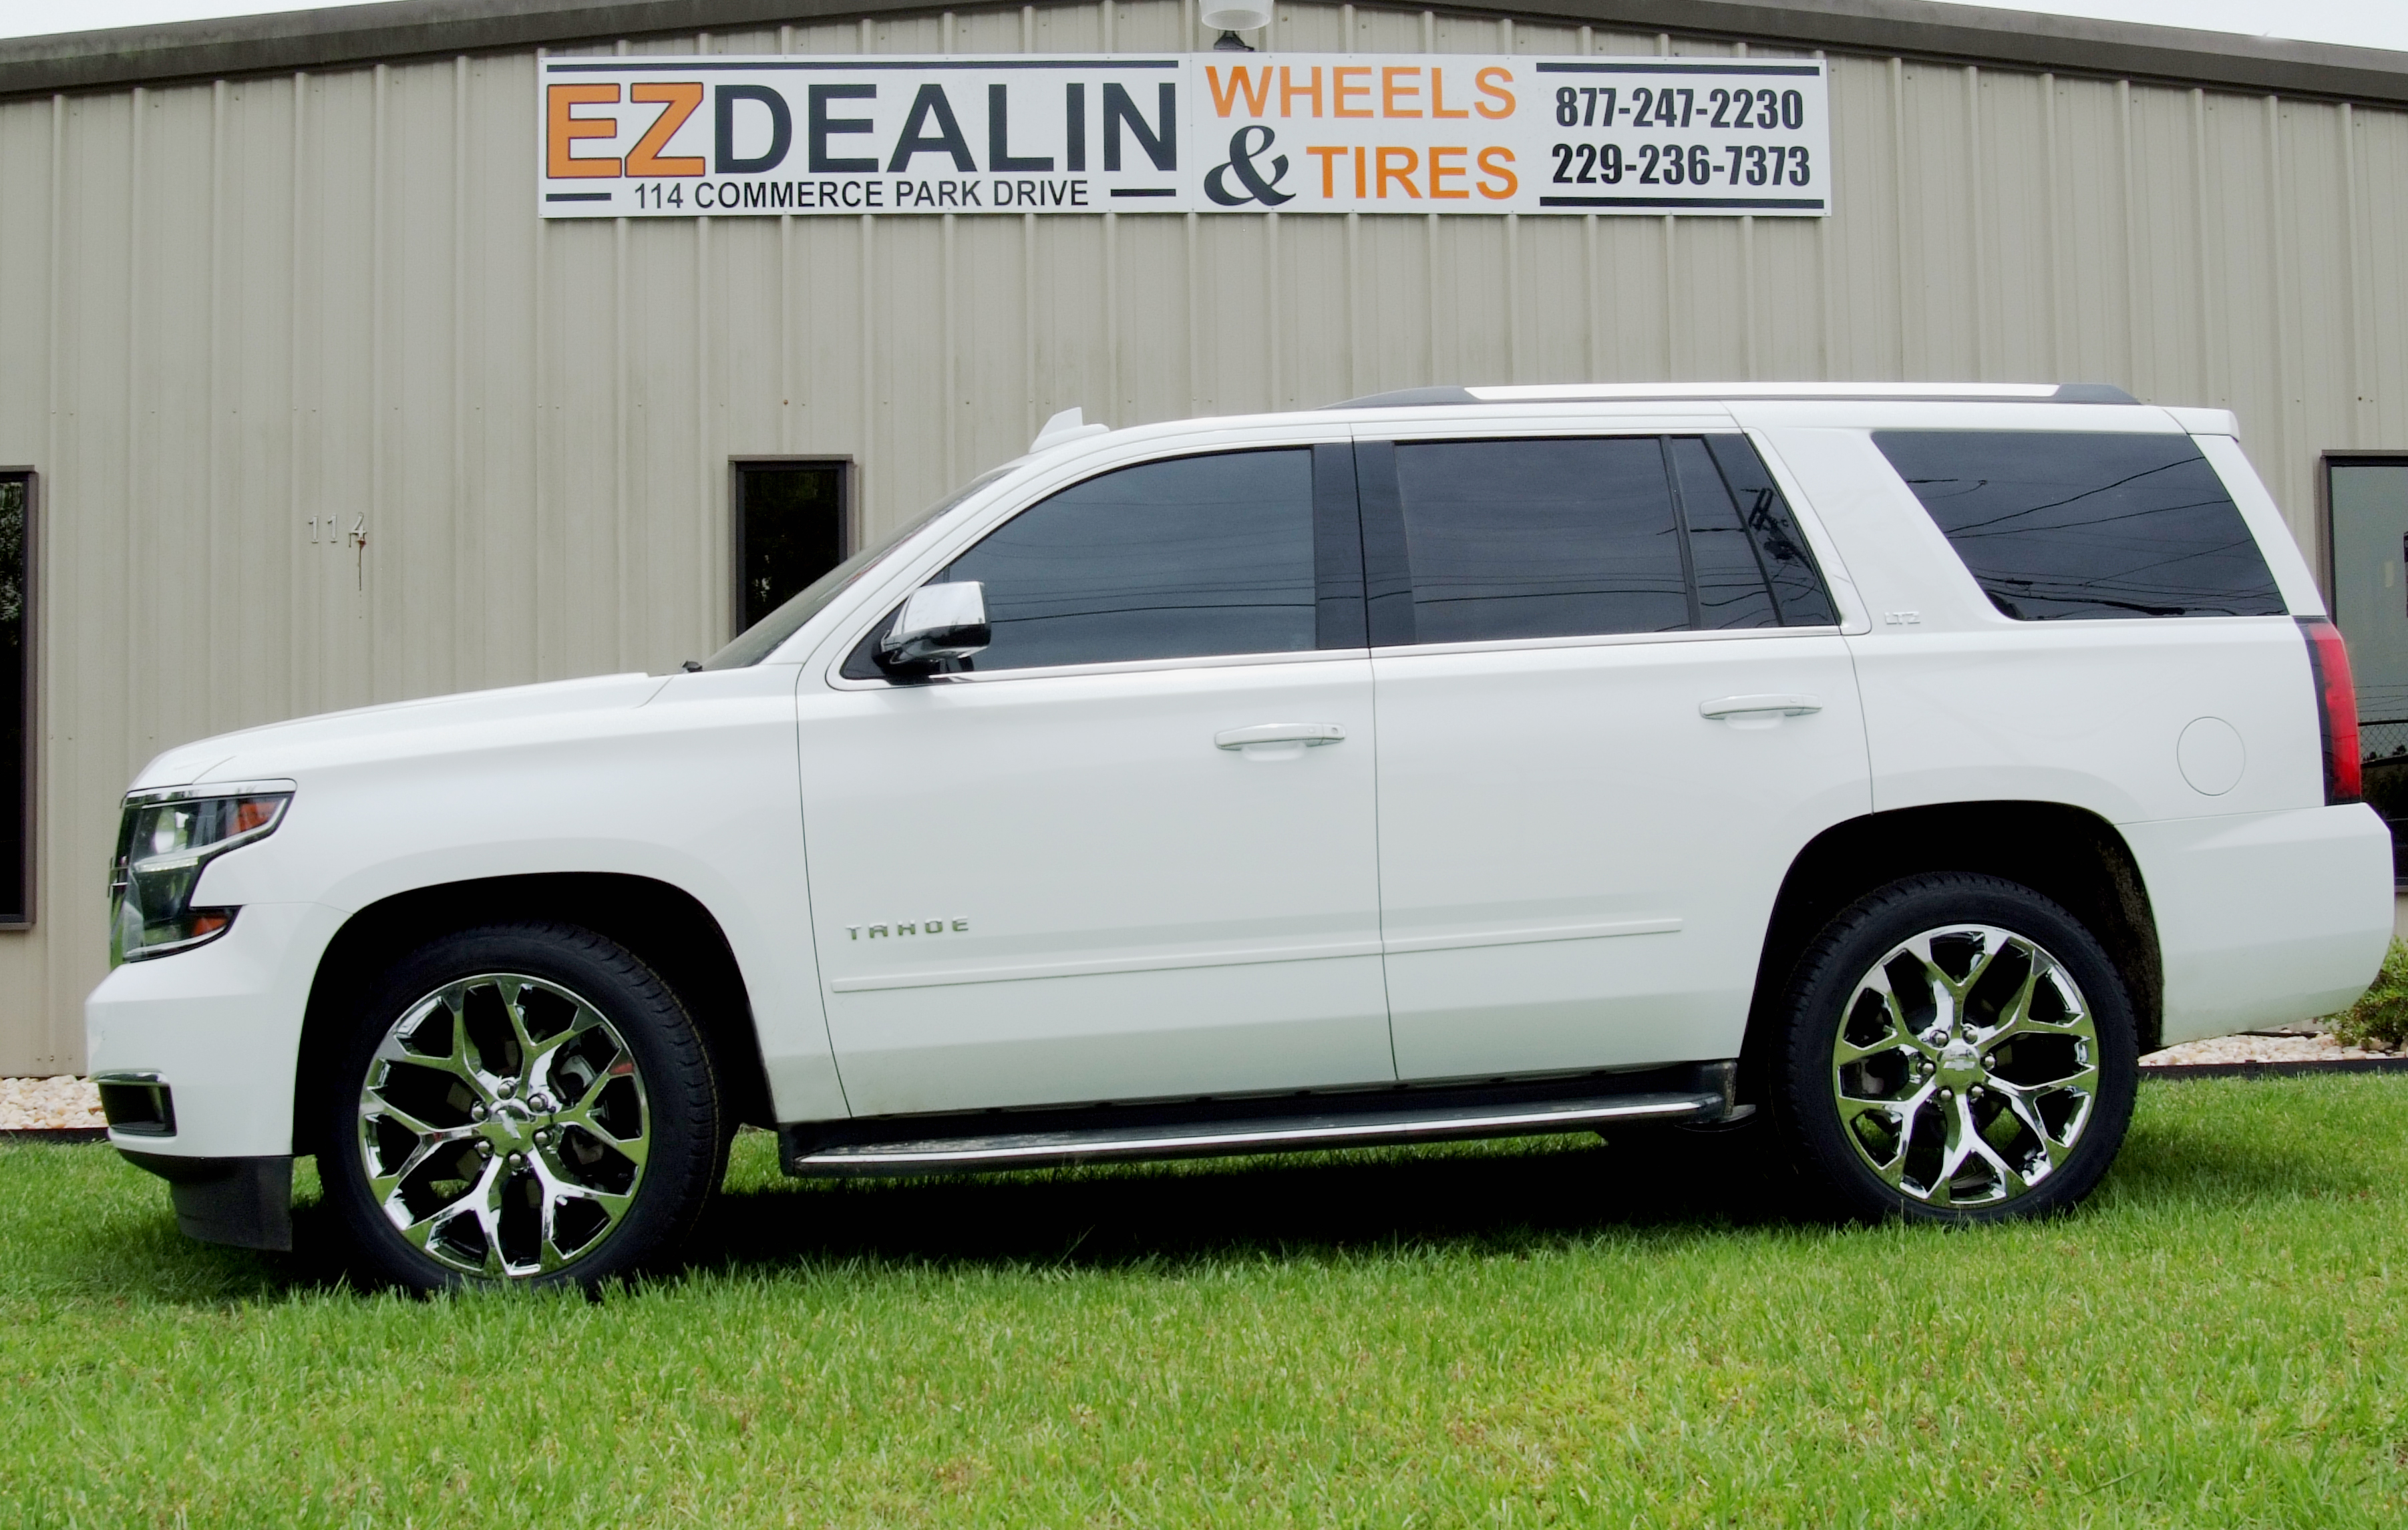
(1171, 1138)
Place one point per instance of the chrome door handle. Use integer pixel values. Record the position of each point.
(1759, 706)
(1280, 732)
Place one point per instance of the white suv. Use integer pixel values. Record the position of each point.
(1891, 766)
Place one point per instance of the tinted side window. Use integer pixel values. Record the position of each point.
(1168, 560)
(2055, 524)
(1546, 539)
(1799, 597)
(1733, 591)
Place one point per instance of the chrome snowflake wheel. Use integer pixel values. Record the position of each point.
(504, 1126)
(1966, 1066)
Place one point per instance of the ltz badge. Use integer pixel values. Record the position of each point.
(861, 136)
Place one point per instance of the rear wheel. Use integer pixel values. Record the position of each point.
(520, 1104)
(1958, 1048)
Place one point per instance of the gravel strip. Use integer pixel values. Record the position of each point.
(2261, 1049)
(35, 1104)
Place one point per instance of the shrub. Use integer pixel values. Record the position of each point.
(2379, 1018)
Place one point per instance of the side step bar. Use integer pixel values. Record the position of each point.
(1705, 1100)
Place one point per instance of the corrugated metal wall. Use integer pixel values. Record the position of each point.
(237, 317)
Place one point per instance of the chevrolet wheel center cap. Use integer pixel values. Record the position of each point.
(1960, 1065)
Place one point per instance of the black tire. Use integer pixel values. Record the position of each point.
(603, 1182)
(1995, 1113)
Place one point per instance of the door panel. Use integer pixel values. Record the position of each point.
(1577, 867)
(1583, 820)
(1032, 886)
(1125, 909)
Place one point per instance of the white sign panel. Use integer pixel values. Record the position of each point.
(681, 137)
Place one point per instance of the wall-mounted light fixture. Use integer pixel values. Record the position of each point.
(1233, 17)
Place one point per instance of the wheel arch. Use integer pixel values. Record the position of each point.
(665, 926)
(2064, 853)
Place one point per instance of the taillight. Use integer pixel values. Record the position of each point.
(2336, 708)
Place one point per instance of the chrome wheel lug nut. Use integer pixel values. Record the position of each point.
(1947, 1094)
(484, 1149)
(476, 1112)
(507, 1085)
(518, 1160)
(1991, 1062)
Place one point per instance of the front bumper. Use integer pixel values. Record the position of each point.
(220, 1026)
(246, 1202)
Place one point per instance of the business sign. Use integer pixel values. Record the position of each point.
(682, 137)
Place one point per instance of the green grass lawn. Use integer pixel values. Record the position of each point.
(1551, 1332)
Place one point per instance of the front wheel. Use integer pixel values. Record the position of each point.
(520, 1104)
(1958, 1048)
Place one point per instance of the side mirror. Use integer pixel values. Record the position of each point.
(939, 621)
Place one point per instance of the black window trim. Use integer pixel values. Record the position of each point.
(849, 514)
(1325, 530)
(29, 810)
(1388, 585)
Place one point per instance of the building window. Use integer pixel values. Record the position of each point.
(16, 699)
(2365, 570)
(791, 525)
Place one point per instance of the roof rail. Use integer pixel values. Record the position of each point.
(1580, 392)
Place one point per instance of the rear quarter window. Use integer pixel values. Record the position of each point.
(2063, 525)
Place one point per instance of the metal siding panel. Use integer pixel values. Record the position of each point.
(1860, 240)
(1781, 288)
(1390, 308)
(1551, 321)
(2318, 220)
(31, 1033)
(1940, 248)
(2014, 230)
(283, 301)
(2383, 168)
(2090, 169)
(2166, 204)
(1154, 303)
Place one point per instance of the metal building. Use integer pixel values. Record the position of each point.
(303, 406)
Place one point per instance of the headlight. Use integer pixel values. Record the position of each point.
(166, 840)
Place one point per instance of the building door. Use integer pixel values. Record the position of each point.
(1130, 852)
(16, 700)
(2368, 500)
(793, 523)
(1609, 719)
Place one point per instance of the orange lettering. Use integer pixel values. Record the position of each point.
(1330, 168)
(1504, 78)
(1359, 192)
(1437, 96)
(1241, 83)
(1439, 174)
(678, 101)
(565, 129)
(1499, 171)
(1340, 91)
(1289, 92)
(1401, 174)
(1389, 93)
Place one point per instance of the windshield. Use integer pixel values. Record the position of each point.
(759, 641)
